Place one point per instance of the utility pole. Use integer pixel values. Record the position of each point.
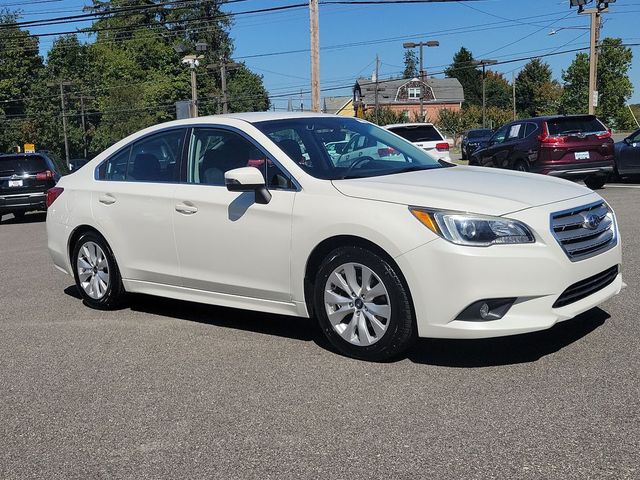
(315, 55)
(223, 84)
(64, 125)
(593, 58)
(194, 92)
(513, 85)
(377, 80)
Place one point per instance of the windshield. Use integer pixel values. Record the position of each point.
(479, 133)
(336, 148)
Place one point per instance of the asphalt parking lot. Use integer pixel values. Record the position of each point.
(167, 389)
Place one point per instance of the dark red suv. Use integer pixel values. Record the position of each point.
(577, 147)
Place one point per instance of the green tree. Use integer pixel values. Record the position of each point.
(410, 64)
(468, 75)
(536, 91)
(575, 86)
(20, 67)
(245, 91)
(454, 123)
(385, 116)
(614, 86)
(498, 90)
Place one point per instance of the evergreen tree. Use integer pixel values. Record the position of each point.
(575, 86)
(468, 75)
(536, 91)
(410, 64)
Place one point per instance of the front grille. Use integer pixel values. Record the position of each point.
(585, 231)
(584, 288)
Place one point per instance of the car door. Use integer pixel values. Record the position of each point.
(487, 156)
(628, 160)
(226, 242)
(509, 151)
(132, 203)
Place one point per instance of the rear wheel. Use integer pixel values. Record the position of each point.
(362, 305)
(96, 273)
(521, 166)
(595, 182)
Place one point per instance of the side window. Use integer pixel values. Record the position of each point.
(500, 135)
(115, 167)
(156, 158)
(531, 128)
(516, 131)
(212, 152)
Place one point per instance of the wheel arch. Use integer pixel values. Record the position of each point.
(326, 246)
(77, 233)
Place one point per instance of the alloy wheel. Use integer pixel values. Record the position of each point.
(357, 304)
(93, 270)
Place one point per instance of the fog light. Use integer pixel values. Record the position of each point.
(486, 310)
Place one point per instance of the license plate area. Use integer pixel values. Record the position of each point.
(15, 183)
(582, 155)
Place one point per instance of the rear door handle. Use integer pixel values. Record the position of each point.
(107, 199)
(186, 208)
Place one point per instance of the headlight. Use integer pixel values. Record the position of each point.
(473, 230)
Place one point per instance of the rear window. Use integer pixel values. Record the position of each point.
(22, 164)
(479, 133)
(425, 133)
(571, 125)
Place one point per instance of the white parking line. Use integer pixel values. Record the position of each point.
(623, 186)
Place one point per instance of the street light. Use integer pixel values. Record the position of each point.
(484, 64)
(429, 43)
(193, 61)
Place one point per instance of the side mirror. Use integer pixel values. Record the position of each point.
(248, 179)
(627, 141)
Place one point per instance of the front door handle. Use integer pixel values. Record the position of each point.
(186, 208)
(107, 199)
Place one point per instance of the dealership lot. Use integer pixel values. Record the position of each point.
(171, 389)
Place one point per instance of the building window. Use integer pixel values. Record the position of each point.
(414, 92)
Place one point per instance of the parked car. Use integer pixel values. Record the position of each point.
(577, 147)
(425, 136)
(77, 163)
(474, 139)
(627, 155)
(362, 148)
(24, 181)
(369, 249)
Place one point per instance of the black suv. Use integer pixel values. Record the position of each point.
(577, 147)
(24, 181)
(473, 140)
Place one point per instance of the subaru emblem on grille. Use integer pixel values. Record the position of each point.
(591, 221)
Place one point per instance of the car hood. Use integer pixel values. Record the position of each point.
(481, 190)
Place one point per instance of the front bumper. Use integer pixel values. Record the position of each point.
(535, 274)
(23, 202)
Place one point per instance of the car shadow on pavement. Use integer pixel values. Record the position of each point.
(507, 350)
(265, 323)
(9, 219)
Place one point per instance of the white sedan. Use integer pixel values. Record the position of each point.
(249, 211)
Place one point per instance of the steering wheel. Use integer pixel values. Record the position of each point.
(355, 164)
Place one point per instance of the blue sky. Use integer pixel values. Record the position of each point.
(352, 35)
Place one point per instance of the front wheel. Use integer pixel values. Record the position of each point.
(595, 182)
(363, 306)
(96, 273)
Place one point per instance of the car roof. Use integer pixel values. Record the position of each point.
(546, 118)
(30, 154)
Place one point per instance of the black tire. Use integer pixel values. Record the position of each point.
(521, 166)
(115, 292)
(401, 327)
(595, 182)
